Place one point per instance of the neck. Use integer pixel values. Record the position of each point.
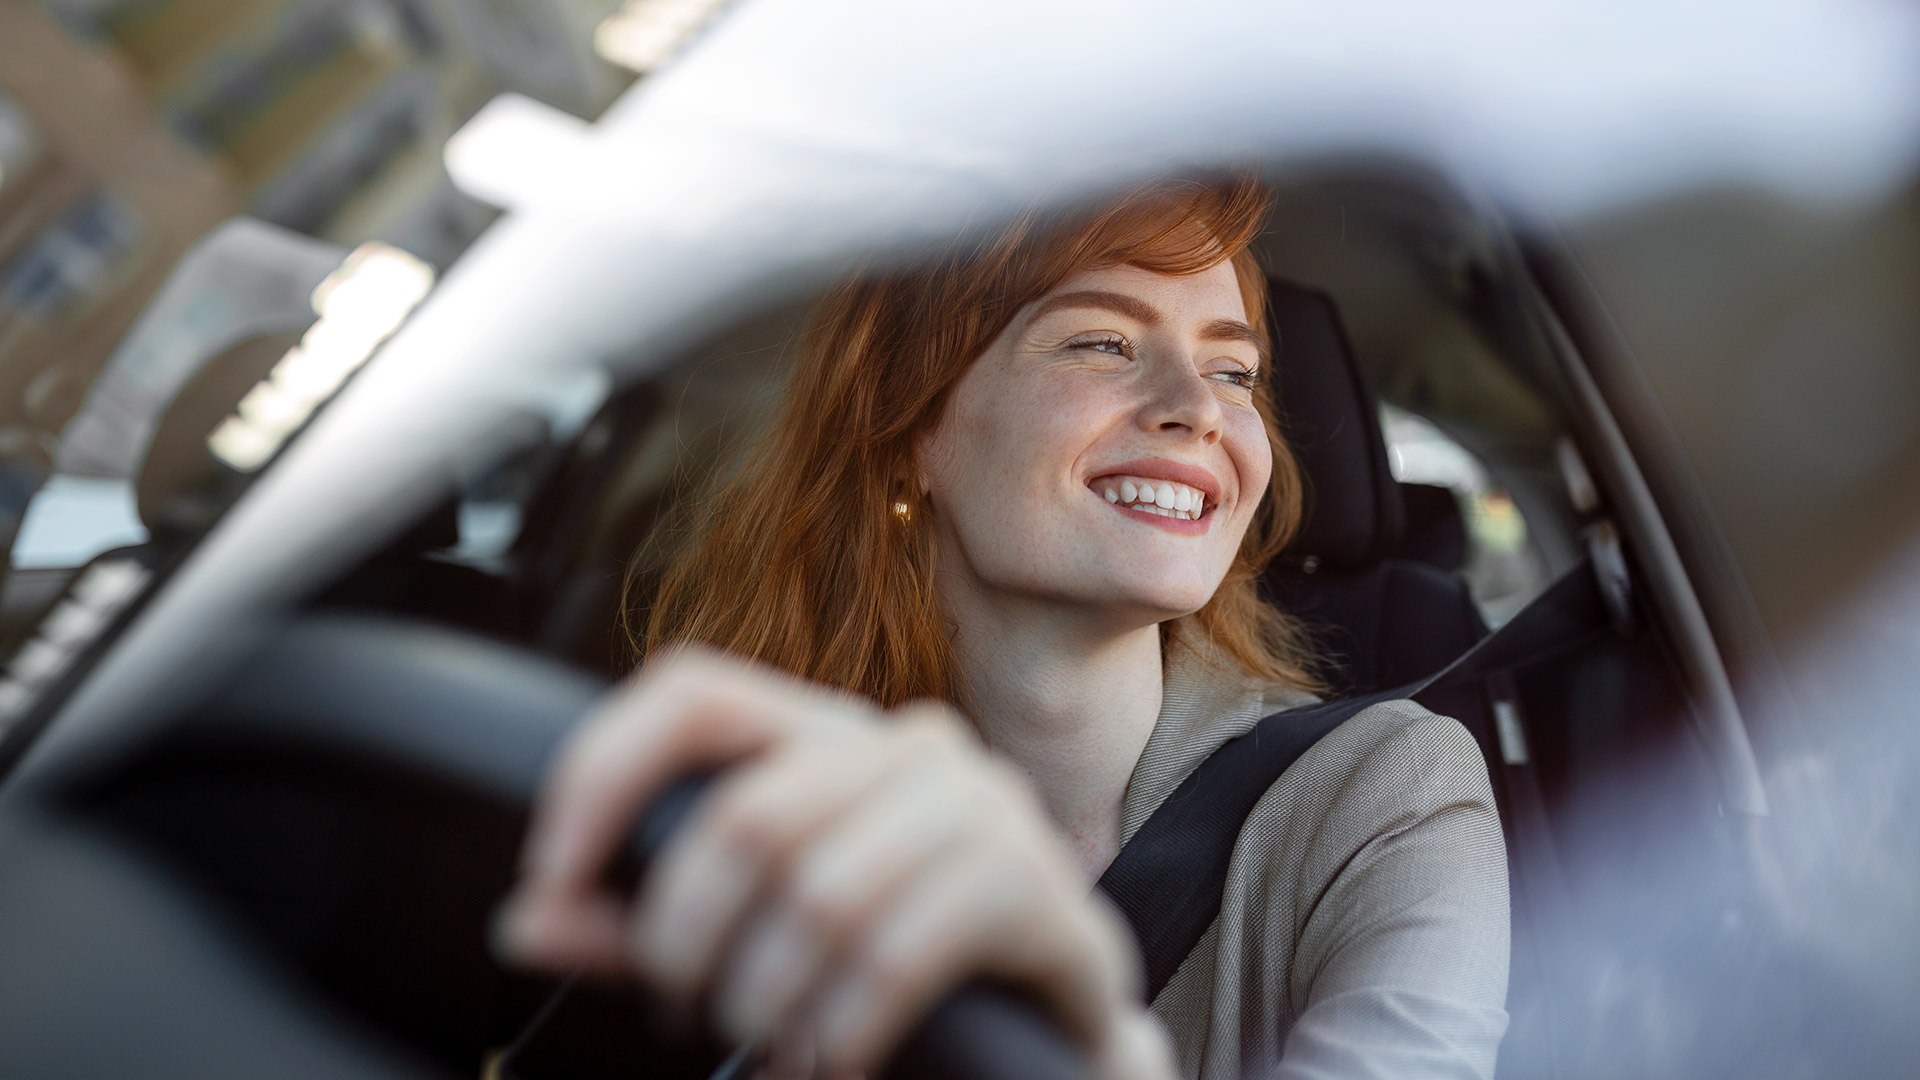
(1068, 704)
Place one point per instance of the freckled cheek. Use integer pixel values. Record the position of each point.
(1044, 431)
(1003, 449)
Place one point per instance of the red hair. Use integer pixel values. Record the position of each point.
(797, 559)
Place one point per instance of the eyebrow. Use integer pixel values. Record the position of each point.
(1143, 312)
(1235, 330)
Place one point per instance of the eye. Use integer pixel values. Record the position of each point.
(1108, 342)
(1245, 378)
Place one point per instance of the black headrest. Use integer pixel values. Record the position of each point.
(1332, 423)
(1436, 533)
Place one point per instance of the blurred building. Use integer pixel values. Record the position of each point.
(329, 115)
(97, 203)
(130, 128)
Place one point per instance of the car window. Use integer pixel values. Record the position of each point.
(73, 518)
(1503, 568)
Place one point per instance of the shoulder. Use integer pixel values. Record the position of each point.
(1374, 870)
(1406, 738)
(1389, 758)
(1384, 778)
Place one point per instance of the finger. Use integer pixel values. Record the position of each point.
(689, 711)
(562, 933)
(834, 887)
(1137, 1049)
(790, 1057)
(739, 837)
(971, 916)
(921, 950)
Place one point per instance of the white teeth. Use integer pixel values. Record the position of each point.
(1162, 497)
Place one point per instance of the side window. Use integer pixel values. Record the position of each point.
(1501, 567)
(70, 519)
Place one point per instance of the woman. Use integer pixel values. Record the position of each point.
(1007, 531)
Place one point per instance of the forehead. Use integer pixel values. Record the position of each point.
(1213, 293)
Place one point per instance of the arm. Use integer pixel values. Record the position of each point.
(1401, 964)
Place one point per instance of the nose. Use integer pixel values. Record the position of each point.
(1180, 399)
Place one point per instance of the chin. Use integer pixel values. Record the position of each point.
(1147, 589)
(1174, 603)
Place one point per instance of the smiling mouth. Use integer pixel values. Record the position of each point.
(1163, 497)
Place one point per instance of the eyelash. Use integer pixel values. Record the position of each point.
(1246, 378)
(1121, 346)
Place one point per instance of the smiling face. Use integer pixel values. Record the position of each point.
(1104, 452)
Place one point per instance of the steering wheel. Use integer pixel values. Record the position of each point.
(331, 831)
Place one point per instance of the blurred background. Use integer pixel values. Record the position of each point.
(130, 129)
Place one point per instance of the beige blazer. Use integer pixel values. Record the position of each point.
(1364, 926)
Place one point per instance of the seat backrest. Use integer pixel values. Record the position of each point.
(1377, 619)
(1371, 576)
(1331, 421)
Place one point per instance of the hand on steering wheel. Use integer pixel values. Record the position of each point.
(846, 869)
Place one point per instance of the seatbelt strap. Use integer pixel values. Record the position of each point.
(1168, 879)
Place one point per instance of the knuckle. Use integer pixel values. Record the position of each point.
(667, 672)
(746, 827)
(926, 751)
(828, 911)
(689, 678)
(935, 722)
(604, 729)
(596, 760)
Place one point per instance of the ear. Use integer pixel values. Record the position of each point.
(907, 488)
(930, 450)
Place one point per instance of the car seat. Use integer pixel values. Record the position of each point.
(1377, 617)
(1370, 574)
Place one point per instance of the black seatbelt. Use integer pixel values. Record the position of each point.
(1169, 878)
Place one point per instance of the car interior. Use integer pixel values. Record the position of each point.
(345, 813)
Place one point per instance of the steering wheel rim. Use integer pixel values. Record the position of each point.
(401, 759)
(260, 811)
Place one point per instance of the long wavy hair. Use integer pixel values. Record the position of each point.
(814, 555)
